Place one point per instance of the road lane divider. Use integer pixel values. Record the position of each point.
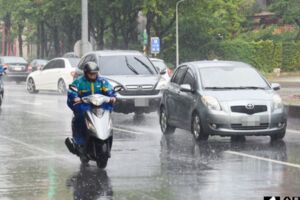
(263, 159)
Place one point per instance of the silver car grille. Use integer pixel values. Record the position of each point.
(139, 87)
(249, 111)
(138, 90)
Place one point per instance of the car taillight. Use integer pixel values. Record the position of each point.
(170, 72)
(73, 74)
(29, 69)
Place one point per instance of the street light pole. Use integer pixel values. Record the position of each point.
(84, 27)
(177, 39)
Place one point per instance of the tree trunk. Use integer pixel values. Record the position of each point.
(56, 41)
(20, 33)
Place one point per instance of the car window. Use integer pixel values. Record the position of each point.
(189, 78)
(160, 64)
(179, 75)
(59, 64)
(126, 65)
(14, 60)
(50, 65)
(74, 61)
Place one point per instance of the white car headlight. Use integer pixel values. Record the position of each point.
(162, 84)
(211, 103)
(277, 102)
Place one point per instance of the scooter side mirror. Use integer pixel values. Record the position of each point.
(73, 88)
(118, 88)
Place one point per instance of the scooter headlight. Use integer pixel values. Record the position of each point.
(98, 112)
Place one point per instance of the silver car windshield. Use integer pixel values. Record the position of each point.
(160, 64)
(125, 65)
(231, 78)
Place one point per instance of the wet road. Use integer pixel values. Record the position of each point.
(145, 164)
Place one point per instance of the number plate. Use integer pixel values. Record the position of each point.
(141, 102)
(251, 121)
(18, 68)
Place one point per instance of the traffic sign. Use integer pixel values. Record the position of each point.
(155, 45)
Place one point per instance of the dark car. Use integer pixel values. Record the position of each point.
(17, 68)
(132, 70)
(37, 64)
(222, 98)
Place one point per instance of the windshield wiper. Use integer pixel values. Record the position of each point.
(146, 66)
(251, 87)
(220, 88)
(235, 88)
(130, 66)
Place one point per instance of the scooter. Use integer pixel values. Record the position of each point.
(2, 72)
(98, 132)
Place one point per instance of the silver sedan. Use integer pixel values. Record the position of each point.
(222, 98)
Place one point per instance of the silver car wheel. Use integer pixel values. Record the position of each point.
(30, 85)
(163, 121)
(61, 87)
(196, 126)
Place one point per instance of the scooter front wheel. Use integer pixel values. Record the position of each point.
(102, 162)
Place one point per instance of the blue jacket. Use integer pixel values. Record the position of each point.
(86, 88)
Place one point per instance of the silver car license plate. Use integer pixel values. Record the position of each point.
(251, 121)
(141, 102)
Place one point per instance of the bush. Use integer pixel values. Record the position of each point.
(264, 55)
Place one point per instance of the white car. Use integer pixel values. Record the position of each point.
(56, 75)
(162, 66)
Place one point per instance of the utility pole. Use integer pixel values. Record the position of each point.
(177, 39)
(84, 27)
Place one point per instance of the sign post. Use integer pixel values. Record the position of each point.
(155, 45)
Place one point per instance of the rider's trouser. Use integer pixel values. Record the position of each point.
(79, 129)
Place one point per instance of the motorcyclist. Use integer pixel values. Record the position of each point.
(88, 84)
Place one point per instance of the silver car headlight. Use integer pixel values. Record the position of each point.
(211, 103)
(162, 84)
(277, 102)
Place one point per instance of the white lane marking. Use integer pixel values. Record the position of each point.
(264, 159)
(37, 157)
(35, 148)
(128, 131)
(40, 114)
(28, 103)
(293, 131)
(29, 146)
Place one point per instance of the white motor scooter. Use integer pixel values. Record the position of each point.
(99, 133)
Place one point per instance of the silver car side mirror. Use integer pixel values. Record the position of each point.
(275, 86)
(186, 88)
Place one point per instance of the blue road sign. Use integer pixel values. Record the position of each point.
(155, 45)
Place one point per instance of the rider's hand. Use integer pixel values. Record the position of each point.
(77, 100)
(113, 99)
